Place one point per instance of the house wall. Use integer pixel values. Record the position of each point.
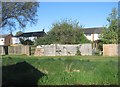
(96, 37)
(15, 40)
(30, 38)
(92, 37)
(2, 41)
(8, 40)
(88, 37)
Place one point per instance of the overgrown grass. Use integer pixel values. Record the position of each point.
(70, 70)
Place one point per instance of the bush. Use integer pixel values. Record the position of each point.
(26, 42)
(78, 53)
(98, 53)
(63, 32)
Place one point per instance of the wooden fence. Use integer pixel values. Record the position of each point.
(111, 49)
(15, 50)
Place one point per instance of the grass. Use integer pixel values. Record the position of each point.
(67, 70)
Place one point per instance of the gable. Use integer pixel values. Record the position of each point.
(92, 30)
(32, 34)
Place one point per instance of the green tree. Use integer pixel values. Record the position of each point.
(64, 32)
(79, 37)
(16, 14)
(43, 40)
(18, 33)
(26, 42)
(110, 33)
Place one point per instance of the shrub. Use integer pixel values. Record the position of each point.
(26, 42)
(78, 53)
(98, 53)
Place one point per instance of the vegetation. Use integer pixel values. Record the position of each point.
(69, 70)
(110, 33)
(18, 13)
(78, 53)
(26, 42)
(18, 33)
(64, 32)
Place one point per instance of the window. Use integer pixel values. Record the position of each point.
(88, 34)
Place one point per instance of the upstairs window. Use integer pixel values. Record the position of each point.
(88, 34)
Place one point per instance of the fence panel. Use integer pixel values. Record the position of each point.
(111, 49)
(63, 50)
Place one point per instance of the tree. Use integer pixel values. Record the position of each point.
(43, 40)
(64, 32)
(110, 33)
(18, 14)
(19, 33)
(26, 42)
(79, 37)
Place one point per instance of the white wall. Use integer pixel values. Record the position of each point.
(89, 37)
(15, 40)
(32, 38)
(2, 41)
(96, 37)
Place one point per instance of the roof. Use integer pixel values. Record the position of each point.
(4, 35)
(32, 34)
(97, 30)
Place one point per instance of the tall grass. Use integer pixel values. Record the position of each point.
(75, 70)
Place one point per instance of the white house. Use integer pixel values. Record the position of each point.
(5, 39)
(28, 35)
(92, 34)
(15, 40)
(2, 41)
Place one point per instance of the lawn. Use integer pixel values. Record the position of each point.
(60, 70)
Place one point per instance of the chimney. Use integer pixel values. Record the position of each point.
(43, 30)
(11, 33)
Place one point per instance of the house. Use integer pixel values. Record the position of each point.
(92, 34)
(9, 39)
(6, 39)
(15, 40)
(28, 35)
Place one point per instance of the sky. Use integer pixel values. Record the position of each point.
(89, 14)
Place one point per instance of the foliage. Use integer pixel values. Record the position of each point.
(98, 53)
(100, 45)
(26, 42)
(18, 33)
(43, 40)
(93, 70)
(110, 33)
(79, 36)
(64, 32)
(18, 13)
(78, 53)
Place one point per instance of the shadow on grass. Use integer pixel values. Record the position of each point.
(21, 73)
